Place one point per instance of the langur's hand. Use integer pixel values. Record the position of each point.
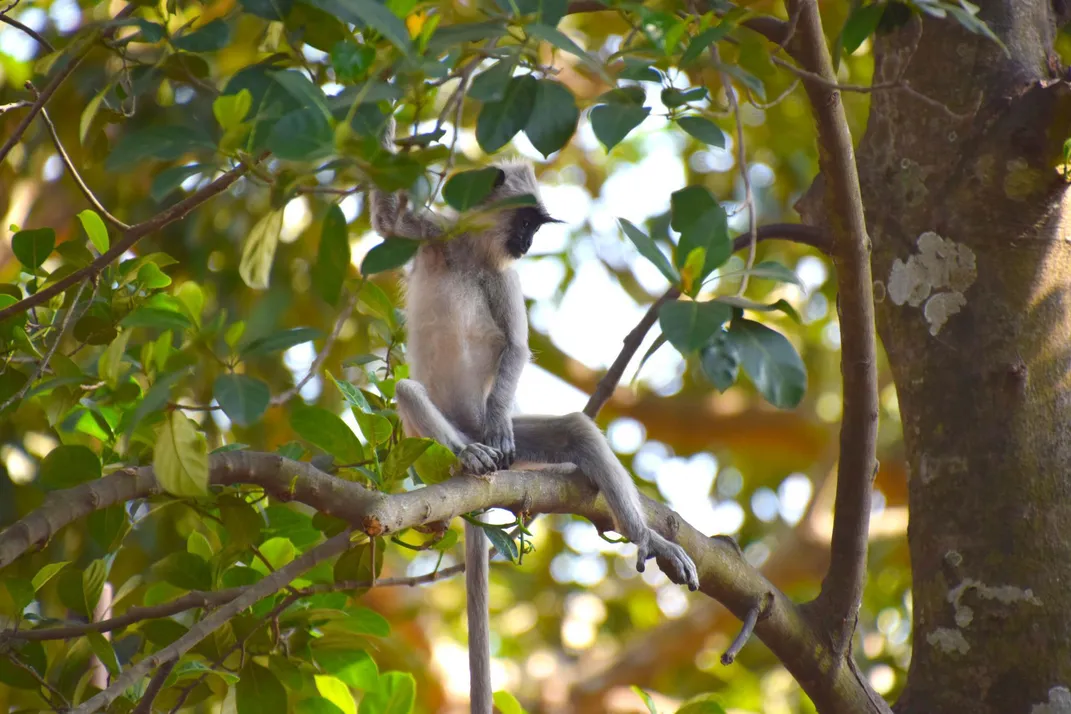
(499, 436)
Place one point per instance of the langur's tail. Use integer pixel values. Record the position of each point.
(477, 573)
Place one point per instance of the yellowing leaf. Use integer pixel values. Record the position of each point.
(335, 691)
(259, 251)
(181, 458)
(415, 23)
(231, 109)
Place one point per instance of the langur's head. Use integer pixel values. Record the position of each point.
(515, 180)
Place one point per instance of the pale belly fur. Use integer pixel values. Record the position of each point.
(454, 347)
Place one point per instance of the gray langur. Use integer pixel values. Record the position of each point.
(468, 343)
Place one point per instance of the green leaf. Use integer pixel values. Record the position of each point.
(46, 573)
(33, 655)
(154, 399)
(554, 117)
(639, 70)
(352, 395)
(95, 229)
(613, 122)
(258, 252)
(231, 109)
(333, 257)
(507, 703)
(861, 24)
(720, 361)
(673, 97)
(354, 667)
(328, 432)
(501, 541)
(94, 330)
(356, 564)
(468, 188)
(302, 135)
(278, 552)
(351, 61)
(402, 456)
(33, 246)
(244, 399)
(646, 699)
(259, 691)
(648, 249)
(181, 458)
(151, 277)
(702, 704)
(170, 179)
(242, 521)
(157, 318)
(395, 694)
(317, 705)
(279, 341)
(336, 692)
(688, 324)
(372, 14)
(771, 362)
(500, 121)
(303, 90)
(703, 129)
(702, 223)
(185, 570)
(435, 465)
(93, 578)
(745, 304)
(268, 9)
(563, 42)
(363, 621)
(102, 648)
(85, 122)
(704, 40)
(167, 143)
(490, 85)
(192, 298)
(67, 466)
(208, 38)
(391, 253)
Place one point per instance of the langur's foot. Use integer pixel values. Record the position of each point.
(673, 560)
(478, 460)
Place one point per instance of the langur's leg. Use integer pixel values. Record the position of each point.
(421, 417)
(576, 439)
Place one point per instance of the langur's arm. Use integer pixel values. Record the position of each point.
(506, 302)
(391, 216)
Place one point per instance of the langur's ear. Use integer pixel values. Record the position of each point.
(500, 178)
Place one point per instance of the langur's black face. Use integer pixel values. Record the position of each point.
(523, 226)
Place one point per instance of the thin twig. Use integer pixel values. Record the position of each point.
(55, 693)
(28, 30)
(4, 108)
(209, 599)
(43, 364)
(347, 310)
(82, 186)
(750, 620)
(741, 159)
(56, 81)
(155, 685)
(136, 233)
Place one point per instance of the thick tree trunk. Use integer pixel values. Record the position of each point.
(970, 223)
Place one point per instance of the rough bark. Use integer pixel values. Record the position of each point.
(969, 221)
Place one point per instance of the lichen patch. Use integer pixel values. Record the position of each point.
(948, 640)
(1059, 702)
(937, 275)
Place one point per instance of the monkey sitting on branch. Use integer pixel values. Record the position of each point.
(468, 343)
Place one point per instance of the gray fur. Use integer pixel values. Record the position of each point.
(468, 344)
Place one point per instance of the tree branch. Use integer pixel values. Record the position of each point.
(280, 578)
(155, 685)
(724, 575)
(129, 239)
(837, 605)
(795, 232)
(28, 30)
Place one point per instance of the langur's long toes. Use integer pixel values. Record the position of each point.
(478, 460)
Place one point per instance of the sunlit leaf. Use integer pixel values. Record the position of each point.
(328, 432)
(395, 694)
(435, 464)
(402, 456)
(47, 572)
(507, 703)
(702, 704)
(646, 699)
(181, 458)
(258, 251)
(95, 229)
(231, 109)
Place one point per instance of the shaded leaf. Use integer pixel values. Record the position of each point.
(702, 223)
(301, 135)
(648, 249)
(46, 573)
(501, 541)
(861, 24)
(166, 143)
(279, 341)
(244, 399)
(688, 324)
(554, 117)
(33, 246)
(771, 362)
(210, 37)
(613, 122)
(703, 129)
(67, 466)
(500, 121)
(372, 14)
(468, 188)
(170, 179)
(720, 361)
(259, 691)
(156, 318)
(333, 257)
(391, 253)
(185, 570)
(490, 85)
